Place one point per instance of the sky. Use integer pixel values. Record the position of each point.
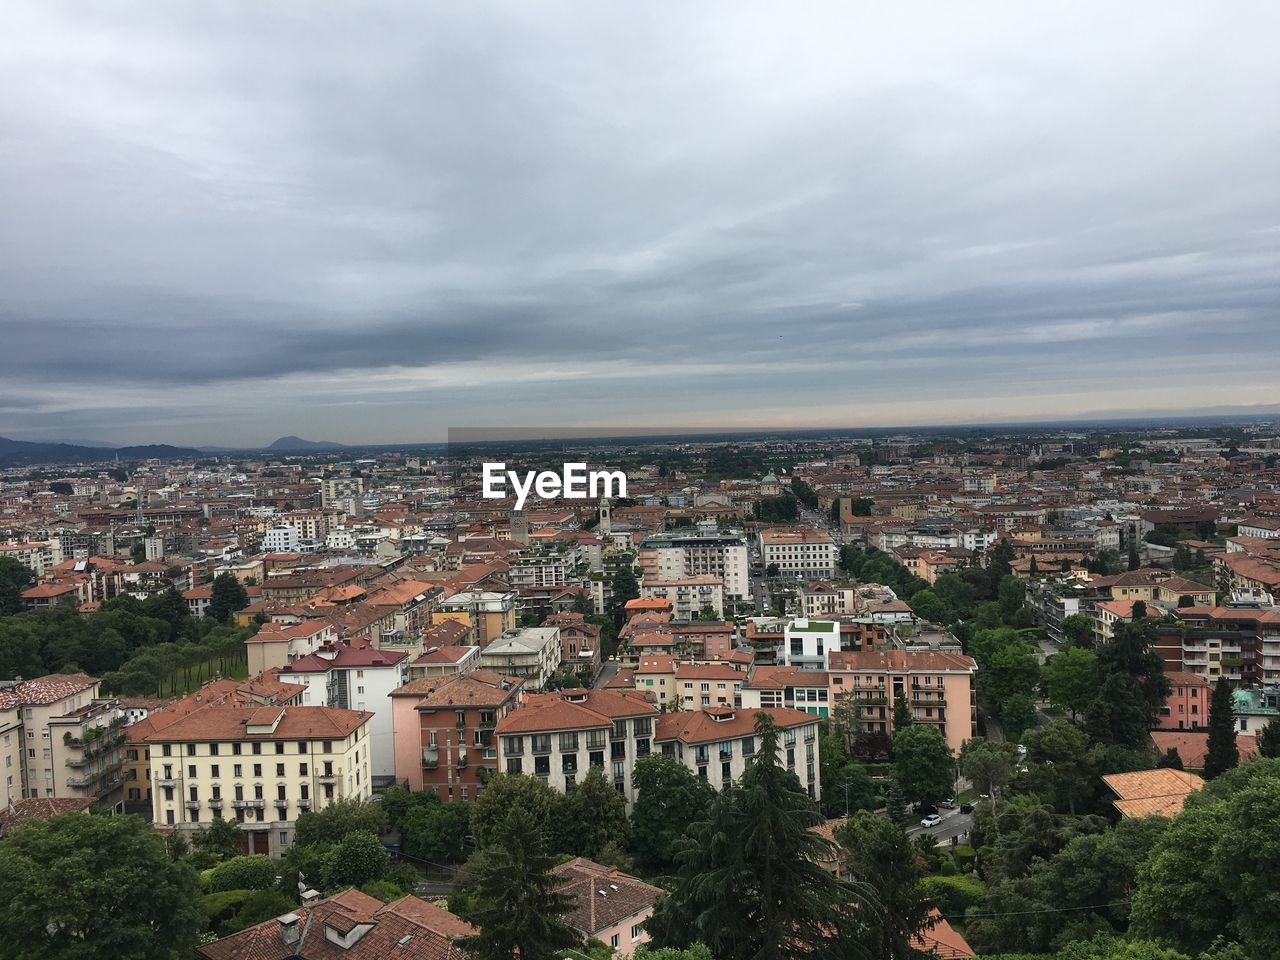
(222, 223)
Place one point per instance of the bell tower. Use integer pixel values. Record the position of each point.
(606, 518)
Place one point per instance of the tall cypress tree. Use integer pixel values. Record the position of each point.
(751, 885)
(1222, 754)
(1269, 739)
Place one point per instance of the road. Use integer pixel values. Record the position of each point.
(608, 670)
(954, 824)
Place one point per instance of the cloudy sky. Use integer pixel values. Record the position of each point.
(224, 222)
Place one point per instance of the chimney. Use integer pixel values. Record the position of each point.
(309, 897)
(290, 928)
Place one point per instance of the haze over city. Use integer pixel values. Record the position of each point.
(223, 224)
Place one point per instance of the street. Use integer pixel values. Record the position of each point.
(954, 824)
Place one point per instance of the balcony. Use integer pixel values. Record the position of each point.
(249, 804)
(215, 803)
(77, 762)
(430, 763)
(304, 803)
(328, 778)
(166, 782)
(79, 781)
(192, 804)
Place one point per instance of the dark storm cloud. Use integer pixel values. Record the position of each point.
(219, 223)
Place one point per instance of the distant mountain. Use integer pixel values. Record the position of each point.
(298, 445)
(22, 452)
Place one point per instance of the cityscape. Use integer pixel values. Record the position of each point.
(567, 481)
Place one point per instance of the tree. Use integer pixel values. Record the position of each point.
(1132, 687)
(1069, 679)
(988, 766)
(1170, 760)
(218, 839)
(879, 854)
(751, 882)
(599, 812)
(1077, 630)
(435, 832)
(668, 798)
(243, 873)
(901, 714)
(1222, 753)
(79, 887)
(923, 765)
(358, 858)
(14, 578)
(228, 597)
(518, 908)
(339, 819)
(625, 588)
(1269, 739)
(507, 792)
(895, 805)
(1135, 562)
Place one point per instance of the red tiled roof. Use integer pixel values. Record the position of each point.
(722, 723)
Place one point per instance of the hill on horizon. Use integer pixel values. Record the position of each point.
(20, 452)
(294, 444)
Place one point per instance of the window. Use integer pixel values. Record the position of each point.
(257, 769)
(213, 771)
(302, 769)
(568, 743)
(302, 746)
(213, 749)
(191, 771)
(237, 770)
(514, 765)
(635, 931)
(191, 749)
(613, 941)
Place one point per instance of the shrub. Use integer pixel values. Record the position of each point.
(256, 872)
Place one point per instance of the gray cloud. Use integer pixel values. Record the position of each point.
(219, 223)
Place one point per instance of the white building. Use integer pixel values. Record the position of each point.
(36, 557)
(806, 644)
(681, 555)
(281, 539)
(531, 652)
(801, 552)
(355, 678)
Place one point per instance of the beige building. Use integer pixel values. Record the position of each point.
(821, 598)
(489, 613)
(532, 653)
(36, 557)
(258, 765)
(60, 739)
(688, 596)
(277, 645)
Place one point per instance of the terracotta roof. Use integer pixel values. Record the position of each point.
(723, 723)
(229, 721)
(602, 897)
(901, 661)
(776, 678)
(40, 808)
(445, 654)
(275, 632)
(707, 671)
(1146, 793)
(578, 709)
(942, 940)
(406, 929)
(480, 688)
(344, 655)
(41, 691)
(1192, 745)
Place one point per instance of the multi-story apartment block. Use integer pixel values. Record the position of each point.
(579, 642)
(680, 555)
(820, 598)
(718, 743)
(800, 552)
(444, 730)
(355, 678)
(281, 539)
(689, 597)
(937, 685)
(277, 645)
(258, 765)
(1187, 707)
(806, 690)
(489, 613)
(560, 736)
(701, 685)
(542, 570)
(532, 653)
(37, 557)
(58, 738)
(1239, 642)
(342, 493)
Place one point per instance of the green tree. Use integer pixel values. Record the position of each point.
(80, 887)
(14, 578)
(435, 832)
(988, 766)
(339, 819)
(923, 766)
(228, 597)
(358, 858)
(693, 952)
(1222, 753)
(1077, 630)
(668, 798)
(625, 588)
(507, 792)
(1069, 679)
(1269, 739)
(599, 812)
(751, 883)
(901, 714)
(518, 908)
(218, 839)
(1170, 760)
(255, 872)
(878, 854)
(895, 804)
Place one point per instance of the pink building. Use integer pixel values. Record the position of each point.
(607, 904)
(1188, 705)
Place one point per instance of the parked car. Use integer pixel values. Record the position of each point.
(931, 821)
(949, 803)
(966, 808)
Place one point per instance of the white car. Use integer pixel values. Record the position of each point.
(932, 820)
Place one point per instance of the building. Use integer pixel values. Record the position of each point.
(259, 765)
(1187, 707)
(558, 737)
(788, 687)
(18, 812)
(608, 905)
(532, 653)
(351, 925)
(689, 597)
(579, 642)
(277, 645)
(444, 730)
(342, 493)
(489, 613)
(808, 644)
(819, 598)
(701, 685)
(939, 687)
(36, 556)
(281, 539)
(679, 555)
(446, 661)
(718, 743)
(60, 739)
(799, 552)
(1152, 793)
(355, 678)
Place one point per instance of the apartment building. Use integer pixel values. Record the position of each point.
(342, 493)
(444, 730)
(1187, 707)
(1239, 642)
(689, 597)
(36, 556)
(606, 904)
(258, 765)
(560, 736)
(579, 642)
(277, 645)
(718, 743)
(532, 653)
(701, 685)
(489, 613)
(355, 678)
(681, 555)
(939, 687)
(808, 644)
(820, 598)
(800, 552)
(774, 686)
(59, 738)
(445, 661)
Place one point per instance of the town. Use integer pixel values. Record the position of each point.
(969, 692)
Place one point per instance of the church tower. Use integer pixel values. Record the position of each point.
(519, 526)
(605, 527)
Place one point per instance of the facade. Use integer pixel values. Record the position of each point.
(702, 685)
(355, 678)
(531, 653)
(788, 687)
(800, 552)
(808, 644)
(1187, 707)
(277, 645)
(36, 556)
(558, 737)
(718, 743)
(282, 539)
(939, 687)
(679, 556)
(258, 765)
(489, 613)
(820, 598)
(689, 597)
(607, 904)
(444, 730)
(579, 642)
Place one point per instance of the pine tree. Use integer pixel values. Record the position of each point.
(901, 714)
(751, 885)
(1269, 739)
(1134, 560)
(1222, 754)
(895, 806)
(518, 909)
(1170, 759)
